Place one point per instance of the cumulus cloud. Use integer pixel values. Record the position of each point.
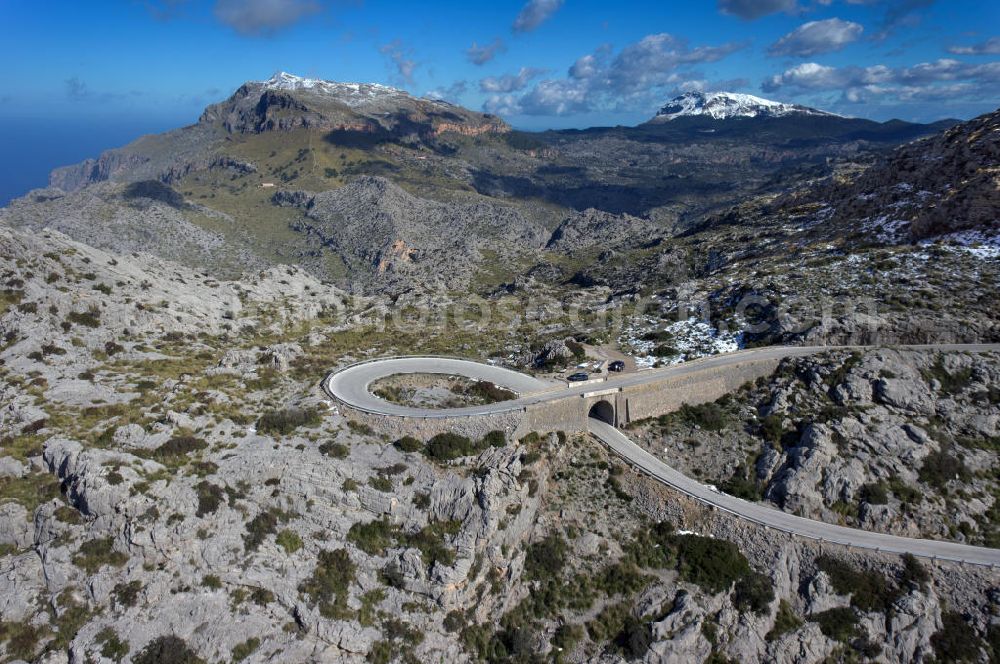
(534, 13)
(263, 17)
(649, 63)
(480, 55)
(510, 82)
(636, 75)
(400, 58)
(989, 47)
(750, 10)
(941, 79)
(451, 93)
(817, 37)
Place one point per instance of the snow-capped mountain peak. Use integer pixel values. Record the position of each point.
(724, 105)
(350, 93)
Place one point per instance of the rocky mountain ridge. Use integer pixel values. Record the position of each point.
(727, 105)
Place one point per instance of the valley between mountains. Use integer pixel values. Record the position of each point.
(176, 486)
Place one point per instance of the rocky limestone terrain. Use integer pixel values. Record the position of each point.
(173, 484)
(900, 442)
(382, 232)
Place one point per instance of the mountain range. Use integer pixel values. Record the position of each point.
(361, 183)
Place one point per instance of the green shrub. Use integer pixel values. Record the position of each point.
(89, 318)
(634, 638)
(840, 624)
(258, 528)
(209, 498)
(951, 383)
(373, 537)
(284, 422)
(488, 392)
(454, 621)
(712, 564)
(167, 650)
(178, 448)
(609, 622)
(914, 574)
(430, 541)
(447, 446)
(383, 484)
(941, 467)
(22, 639)
(753, 592)
(565, 639)
(785, 621)
(545, 558)
(245, 649)
(409, 444)
(211, 581)
(335, 450)
(874, 494)
(664, 350)
(494, 439)
(956, 641)
(869, 591)
(742, 485)
(94, 554)
(127, 594)
(328, 585)
(708, 416)
(111, 646)
(289, 541)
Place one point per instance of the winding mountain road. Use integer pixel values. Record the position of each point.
(351, 386)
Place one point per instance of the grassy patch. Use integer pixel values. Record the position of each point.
(94, 554)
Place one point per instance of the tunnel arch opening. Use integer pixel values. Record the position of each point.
(603, 411)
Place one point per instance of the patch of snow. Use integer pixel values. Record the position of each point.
(691, 338)
(724, 105)
(981, 244)
(352, 94)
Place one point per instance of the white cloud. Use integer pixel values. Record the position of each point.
(263, 17)
(534, 13)
(480, 55)
(989, 47)
(399, 56)
(510, 82)
(942, 79)
(817, 37)
(637, 75)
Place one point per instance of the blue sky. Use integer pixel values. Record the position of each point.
(104, 71)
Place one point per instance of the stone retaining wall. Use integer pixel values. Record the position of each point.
(569, 414)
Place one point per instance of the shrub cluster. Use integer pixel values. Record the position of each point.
(448, 446)
(328, 585)
(284, 422)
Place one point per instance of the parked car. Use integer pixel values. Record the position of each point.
(578, 376)
(617, 366)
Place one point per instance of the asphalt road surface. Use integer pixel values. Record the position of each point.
(351, 386)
